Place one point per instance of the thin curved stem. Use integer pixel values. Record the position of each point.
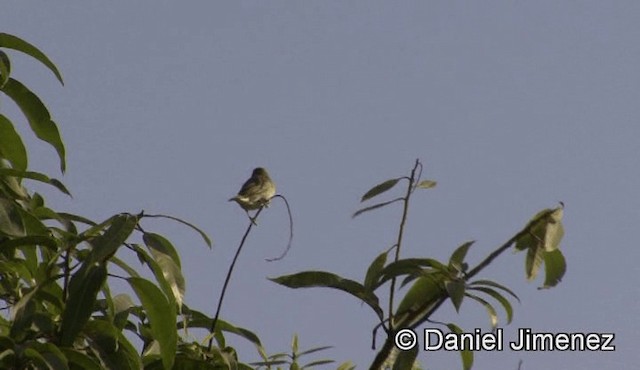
(226, 280)
(405, 210)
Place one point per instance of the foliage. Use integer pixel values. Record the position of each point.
(433, 282)
(56, 269)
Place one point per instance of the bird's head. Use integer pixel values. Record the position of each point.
(259, 171)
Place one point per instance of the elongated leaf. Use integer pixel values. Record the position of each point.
(37, 115)
(13, 42)
(11, 146)
(554, 231)
(34, 176)
(457, 257)
(323, 279)
(423, 295)
(493, 314)
(111, 346)
(533, 261)
(172, 275)
(373, 272)
(204, 236)
(313, 350)
(162, 317)
(159, 274)
(456, 290)
(465, 354)
(427, 184)
(83, 290)
(311, 365)
(80, 359)
(53, 357)
(500, 298)
(77, 218)
(124, 266)
(379, 189)
(105, 245)
(406, 359)
(5, 68)
(30, 240)
(555, 267)
(10, 219)
(495, 285)
(409, 266)
(22, 315)
(375, 206)
(161, 244)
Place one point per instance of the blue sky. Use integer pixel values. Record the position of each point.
(511, 107)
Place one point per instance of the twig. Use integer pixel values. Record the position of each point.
(226, 280)
(405, 210)
(290, 231)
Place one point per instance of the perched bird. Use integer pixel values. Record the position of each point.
(256, 192)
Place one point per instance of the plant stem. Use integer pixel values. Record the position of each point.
(226, 280)
(405, 210)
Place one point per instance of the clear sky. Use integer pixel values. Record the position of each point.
(511, 106)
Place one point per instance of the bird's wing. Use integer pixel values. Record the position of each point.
(250, 186)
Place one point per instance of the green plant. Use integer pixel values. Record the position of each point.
(434, 282)
(56, 269)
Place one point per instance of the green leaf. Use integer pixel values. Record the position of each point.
(160, 244)
(170, 289)
(10, 219)
(457, 257)
(493, 314)
(80, 360)
(5, 68)
(456, 290)
(495, 285)
(465, 354)
(34, 176)
(500, 298)
(83, 290)
(555, 268)
(313, 350)
(308, 279)
(30, 240)
(12, 42)
(105, 245)
(406, 359)
(51, 354)
(37, 115)
(294, 343)
(373, 272)
(533, 261)
(379, 189)
(375, 206)
(409, 266)
(427, 184)
(111, 346)
(162, 317)
(423, 295)
(554, 231)
(167, 263)
(11, 146)
(196, 319)
(311, 365)
(22, 315)
(202, 233)
(77, 218)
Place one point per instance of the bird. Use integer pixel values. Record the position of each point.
(256, 192)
